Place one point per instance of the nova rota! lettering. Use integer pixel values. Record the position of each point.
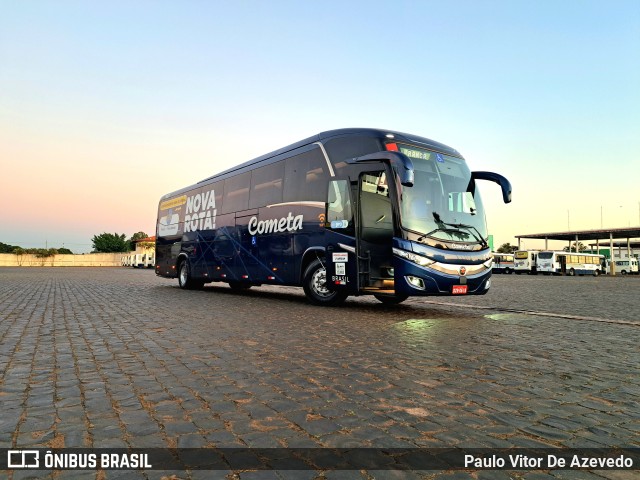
(200, 212)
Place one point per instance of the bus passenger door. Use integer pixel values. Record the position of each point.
(375, 234)
(562, 260)
(341, 259)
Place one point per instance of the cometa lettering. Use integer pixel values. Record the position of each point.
(284, 224)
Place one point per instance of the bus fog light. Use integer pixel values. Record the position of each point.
(415, 282)
(487, 284)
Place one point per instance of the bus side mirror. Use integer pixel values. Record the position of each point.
(505, 185)
(399, 161)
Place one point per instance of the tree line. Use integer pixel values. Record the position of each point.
(102, 243)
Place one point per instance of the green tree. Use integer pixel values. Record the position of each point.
(4, 248)
(507, 248)
(43, 252)
(65, 251)
(134, 238)
(581, 247)
(110, 242)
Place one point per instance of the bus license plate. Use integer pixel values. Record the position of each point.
(459, 290)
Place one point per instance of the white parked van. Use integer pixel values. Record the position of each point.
(624, 267)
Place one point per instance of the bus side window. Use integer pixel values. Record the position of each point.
(236, 193)
(306, 177)
(339, 205)
(266, 185)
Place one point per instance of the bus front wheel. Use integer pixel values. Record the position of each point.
(185, 280)
(315, 286)
(391, 299)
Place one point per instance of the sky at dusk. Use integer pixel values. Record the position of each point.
(106, 106)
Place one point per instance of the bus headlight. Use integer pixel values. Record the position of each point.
(413, 257)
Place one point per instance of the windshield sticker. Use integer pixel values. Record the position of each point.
(439, 158)
(339, 223)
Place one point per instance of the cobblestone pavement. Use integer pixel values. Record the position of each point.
(120, 358)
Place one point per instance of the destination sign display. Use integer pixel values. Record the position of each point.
(416, 153)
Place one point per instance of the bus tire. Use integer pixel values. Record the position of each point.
(391, 299)
(507, 271)
(315, 287)
(572, 272)
(596, 273)
(185, 280)
(623, 272)
(239, 286)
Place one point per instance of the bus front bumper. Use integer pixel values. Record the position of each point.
(440, 279)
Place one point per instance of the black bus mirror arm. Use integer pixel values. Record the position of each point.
(399, 161)
(505, 185)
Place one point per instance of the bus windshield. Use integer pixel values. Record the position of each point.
(444, 203)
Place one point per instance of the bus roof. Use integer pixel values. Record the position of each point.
(321, 137)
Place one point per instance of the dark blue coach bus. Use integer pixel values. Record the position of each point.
(345, 212)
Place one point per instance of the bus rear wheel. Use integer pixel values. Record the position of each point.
(185, 280)
(314, 284)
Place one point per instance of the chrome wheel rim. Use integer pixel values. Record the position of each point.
(319, 283)
(183, 274)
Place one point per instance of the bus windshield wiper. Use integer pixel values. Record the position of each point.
(450, 231)
(471, 228)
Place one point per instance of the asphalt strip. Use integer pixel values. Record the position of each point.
(539, 314)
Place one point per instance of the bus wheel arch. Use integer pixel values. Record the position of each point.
(308, 257)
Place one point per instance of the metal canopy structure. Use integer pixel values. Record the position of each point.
(601, 234)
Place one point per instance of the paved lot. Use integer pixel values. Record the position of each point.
(118, 358)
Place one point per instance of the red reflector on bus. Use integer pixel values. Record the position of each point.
(392, 147)
(224, 275)
(271, 278)
(245, 276)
